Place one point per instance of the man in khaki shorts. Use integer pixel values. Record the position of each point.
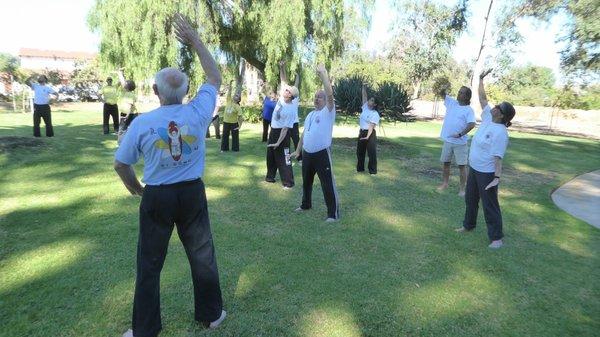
(458, 121)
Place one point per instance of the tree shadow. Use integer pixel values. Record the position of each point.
(392, 266)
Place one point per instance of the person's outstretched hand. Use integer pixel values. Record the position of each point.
(321, 69)
(184, 31)
(485, 73)
(493, 183)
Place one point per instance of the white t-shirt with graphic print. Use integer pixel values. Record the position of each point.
(170, 139)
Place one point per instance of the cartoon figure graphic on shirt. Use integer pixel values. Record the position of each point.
(175, 141)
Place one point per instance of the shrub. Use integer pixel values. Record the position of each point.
(394, 100)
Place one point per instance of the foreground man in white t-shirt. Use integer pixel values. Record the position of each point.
(170, 139)
(485, 167)
(315, 146)
(459, 120)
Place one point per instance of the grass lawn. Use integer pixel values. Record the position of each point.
(393, 266)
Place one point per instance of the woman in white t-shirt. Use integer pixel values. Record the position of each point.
(367, 136)
(485, 167)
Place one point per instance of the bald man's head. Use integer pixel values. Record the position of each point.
(171, 85)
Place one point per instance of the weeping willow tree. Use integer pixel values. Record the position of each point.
(137, 34)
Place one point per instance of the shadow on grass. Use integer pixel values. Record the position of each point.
(392, 266)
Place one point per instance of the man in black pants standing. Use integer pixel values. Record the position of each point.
(315, 145)
(110, 96)
(171, 142)
(41, 106)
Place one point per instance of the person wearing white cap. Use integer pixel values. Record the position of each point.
(282, 125)
(315, 146)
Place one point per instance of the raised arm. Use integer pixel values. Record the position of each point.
(121, 77)
(282, 75)
(188, 35)
(364, 95)
(240, 79)
(322, 72)
(482, 96)
(297, 80)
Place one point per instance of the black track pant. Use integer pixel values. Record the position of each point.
(265, 134)
(216, 124)
(235, 137)
(108, 111)
(276, 159)
(475, 190)
(42, 111)
(319, 163)
(370, 147)
(184, 205)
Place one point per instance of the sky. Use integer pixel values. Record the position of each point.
(538, 46)
(62, 25)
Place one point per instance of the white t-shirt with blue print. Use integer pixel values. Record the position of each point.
(170, 139)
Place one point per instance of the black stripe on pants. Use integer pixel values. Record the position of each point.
(319, 163)
(265, 134)
(110, 110)
(475, 190)
(276, 159)
(183, 204)
(42, 111)
(235, 137)
(370, 147)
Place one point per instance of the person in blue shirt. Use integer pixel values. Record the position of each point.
(170, 139)
(268, 106)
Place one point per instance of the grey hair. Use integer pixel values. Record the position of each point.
(172, 85)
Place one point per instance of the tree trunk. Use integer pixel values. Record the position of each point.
(478, 67)
(416, 89)
(12, 89)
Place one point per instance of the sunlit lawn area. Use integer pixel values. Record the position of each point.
(393, 266)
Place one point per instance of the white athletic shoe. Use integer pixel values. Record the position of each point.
(496, 244)
(128, 333)
(215, 324)
(300, 209)
(286, 188)
(330, 220)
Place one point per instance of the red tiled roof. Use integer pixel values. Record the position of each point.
(30, 52)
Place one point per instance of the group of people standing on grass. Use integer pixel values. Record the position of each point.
(484, 157)
(171, 141)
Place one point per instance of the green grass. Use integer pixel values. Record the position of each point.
(393, 266)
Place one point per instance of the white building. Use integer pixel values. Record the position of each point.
(62, 61)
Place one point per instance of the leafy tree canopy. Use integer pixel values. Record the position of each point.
(137, 34)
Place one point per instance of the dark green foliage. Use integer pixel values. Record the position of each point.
(348, 95)
(251, 114)
(394, 101)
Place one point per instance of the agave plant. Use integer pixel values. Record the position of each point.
(348, 95)
(395, 101)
